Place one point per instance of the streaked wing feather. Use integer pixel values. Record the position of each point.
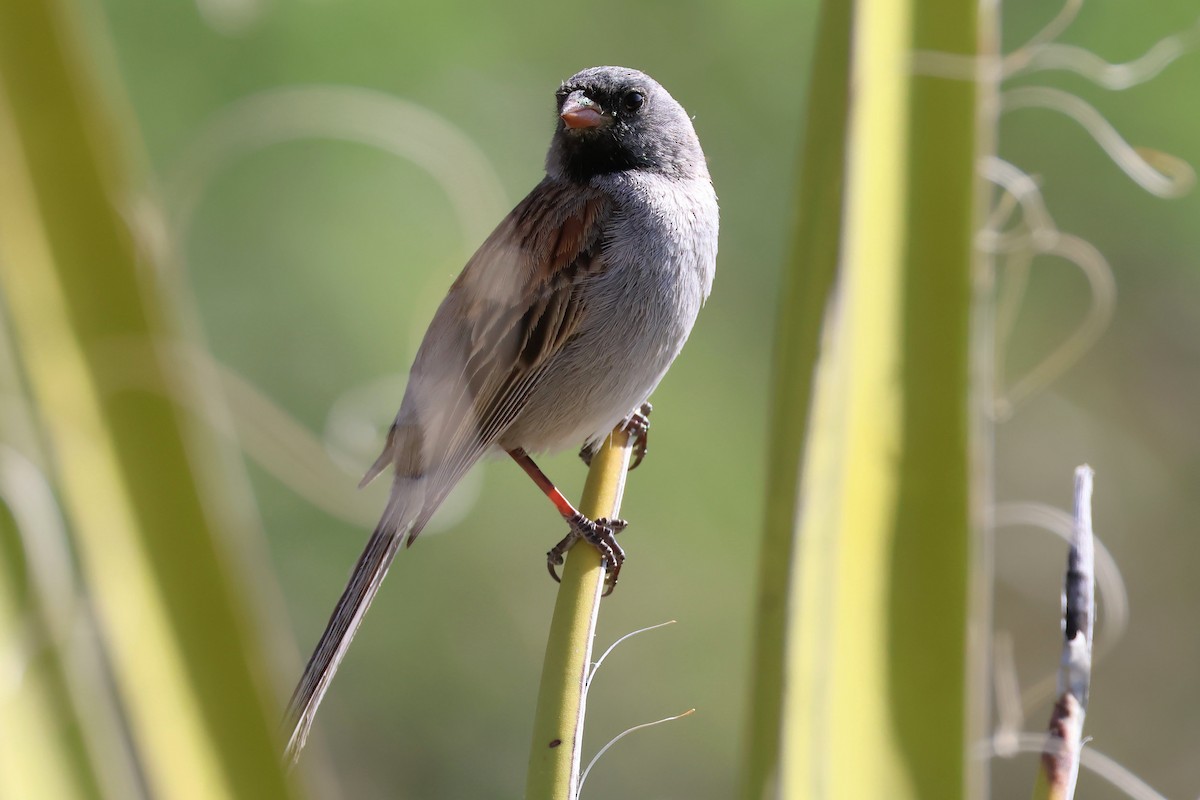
(520, 302)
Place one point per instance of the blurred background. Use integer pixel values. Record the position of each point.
(324, 169)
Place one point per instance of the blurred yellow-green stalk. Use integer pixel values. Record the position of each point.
(95, 338)
(315, 174)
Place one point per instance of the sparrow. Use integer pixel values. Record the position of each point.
(558, 329)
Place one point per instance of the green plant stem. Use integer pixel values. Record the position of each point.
(875, 686)
(42, 750)
(145, 505)
(558, 721)
(806, 287)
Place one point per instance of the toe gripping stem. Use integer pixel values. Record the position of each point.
(637, 425)
(600, 534)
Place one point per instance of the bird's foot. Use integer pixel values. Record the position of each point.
(600, 534)
(637, 425)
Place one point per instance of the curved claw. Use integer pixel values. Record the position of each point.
(638, 426)
(554, 557)
(600, 534)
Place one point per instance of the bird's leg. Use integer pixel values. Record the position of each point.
(600, 533)
(637, 425)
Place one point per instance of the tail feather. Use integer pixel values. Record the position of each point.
(385, 460)
(418, 488)
(364, 584)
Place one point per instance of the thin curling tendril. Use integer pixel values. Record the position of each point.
(1169, 177)
(1037, 235)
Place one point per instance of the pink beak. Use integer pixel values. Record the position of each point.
(580, 112)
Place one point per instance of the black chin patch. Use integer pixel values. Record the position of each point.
(587, 154)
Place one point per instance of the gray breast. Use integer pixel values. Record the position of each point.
(660, 255)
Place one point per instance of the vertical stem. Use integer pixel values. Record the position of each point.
(838, 700)
(980, 655)
(1059, 764)
(143, 502)
(875, 681)
(558, 722)
(806, 287)
(933, 538)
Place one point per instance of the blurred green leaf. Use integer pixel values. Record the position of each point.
(875, 683)
(803, 299)
(89, 316)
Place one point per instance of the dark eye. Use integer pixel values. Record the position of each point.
(633, 101)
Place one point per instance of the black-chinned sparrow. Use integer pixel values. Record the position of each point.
(559, 327)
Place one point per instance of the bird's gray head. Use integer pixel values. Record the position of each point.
(614, 119)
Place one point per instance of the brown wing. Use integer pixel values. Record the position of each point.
(516, 303)
(515, 328)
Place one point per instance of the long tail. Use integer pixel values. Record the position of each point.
(364, 583)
